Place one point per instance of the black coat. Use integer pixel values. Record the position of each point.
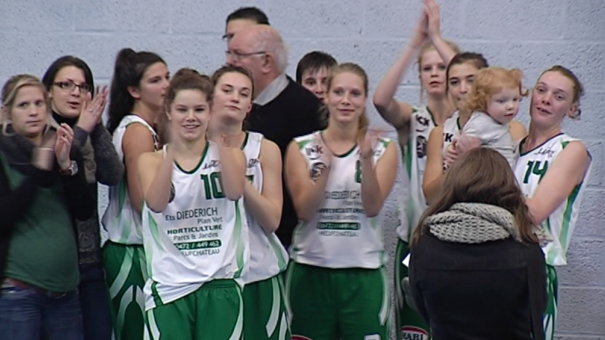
(478, 291)
(15, 203)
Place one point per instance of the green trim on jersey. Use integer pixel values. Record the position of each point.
(303, 143)
(430, 114)
(237, 241)
(321, 134)
(122, 192)
(571, 199)
(522, 143)
(245, 142)
(282, 262)
(155, 232)
(156, 295)
(198, 164)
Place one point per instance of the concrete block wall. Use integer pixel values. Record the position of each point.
(532, 35)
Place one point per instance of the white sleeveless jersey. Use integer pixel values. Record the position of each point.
(340, 235)
(199, 237)
(451, 130)
(267, 256)
(121, 221)
(414, 153)
(530, 168)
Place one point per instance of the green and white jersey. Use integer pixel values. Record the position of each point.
(121, 221)
(529, 170)
(200, 236)
(451, 131)
(267, 256)
(340, 235)
(414, 203)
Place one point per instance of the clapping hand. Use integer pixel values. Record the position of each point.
(368, 141)
(92, 110)
(65, 137)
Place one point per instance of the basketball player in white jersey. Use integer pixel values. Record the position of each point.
(195, 230)
(264, 303)
(139, 83)
(413, 125)
(339, 179)
(553, 170)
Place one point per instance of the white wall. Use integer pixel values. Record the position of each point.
(532, 35)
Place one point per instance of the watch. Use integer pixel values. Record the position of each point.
(72, 170)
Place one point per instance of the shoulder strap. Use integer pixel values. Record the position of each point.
(536, 278)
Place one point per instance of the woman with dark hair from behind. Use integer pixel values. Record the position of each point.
(476, 269)
(70, 84)
(138, 88)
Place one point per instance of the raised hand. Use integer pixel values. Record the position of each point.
(433, 15)
(92, 110)
(65, 137)
(368, 141)
(420, 31)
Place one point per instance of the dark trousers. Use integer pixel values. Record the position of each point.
(94, 300)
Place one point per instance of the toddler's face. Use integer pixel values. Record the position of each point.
(504, 105)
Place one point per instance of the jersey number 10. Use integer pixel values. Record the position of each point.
(213, 186)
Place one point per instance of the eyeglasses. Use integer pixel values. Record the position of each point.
(70, 85)
(237, 56)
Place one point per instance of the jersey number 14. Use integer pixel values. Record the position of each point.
(533, 167)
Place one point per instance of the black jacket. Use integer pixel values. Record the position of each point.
(293, 113)
(15, 204)
(478, 291)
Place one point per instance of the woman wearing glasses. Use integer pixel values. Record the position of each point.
(70, 84)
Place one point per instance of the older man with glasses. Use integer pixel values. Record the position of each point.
(283, 109)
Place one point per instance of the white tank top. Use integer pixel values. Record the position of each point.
(451, 130)
(530, 168)
(414, 203)
(267, 256)
(340, 235)
(121, 221)
(200, 236)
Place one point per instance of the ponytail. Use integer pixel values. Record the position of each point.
(129, 69)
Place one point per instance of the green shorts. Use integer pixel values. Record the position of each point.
(265, 316)
(214, 311)
(125, 272)
(346, 304)
(409, 323)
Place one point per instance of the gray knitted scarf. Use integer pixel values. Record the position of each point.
(474, 223)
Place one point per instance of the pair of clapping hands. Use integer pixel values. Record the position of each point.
(366, 140)
(57, 145)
